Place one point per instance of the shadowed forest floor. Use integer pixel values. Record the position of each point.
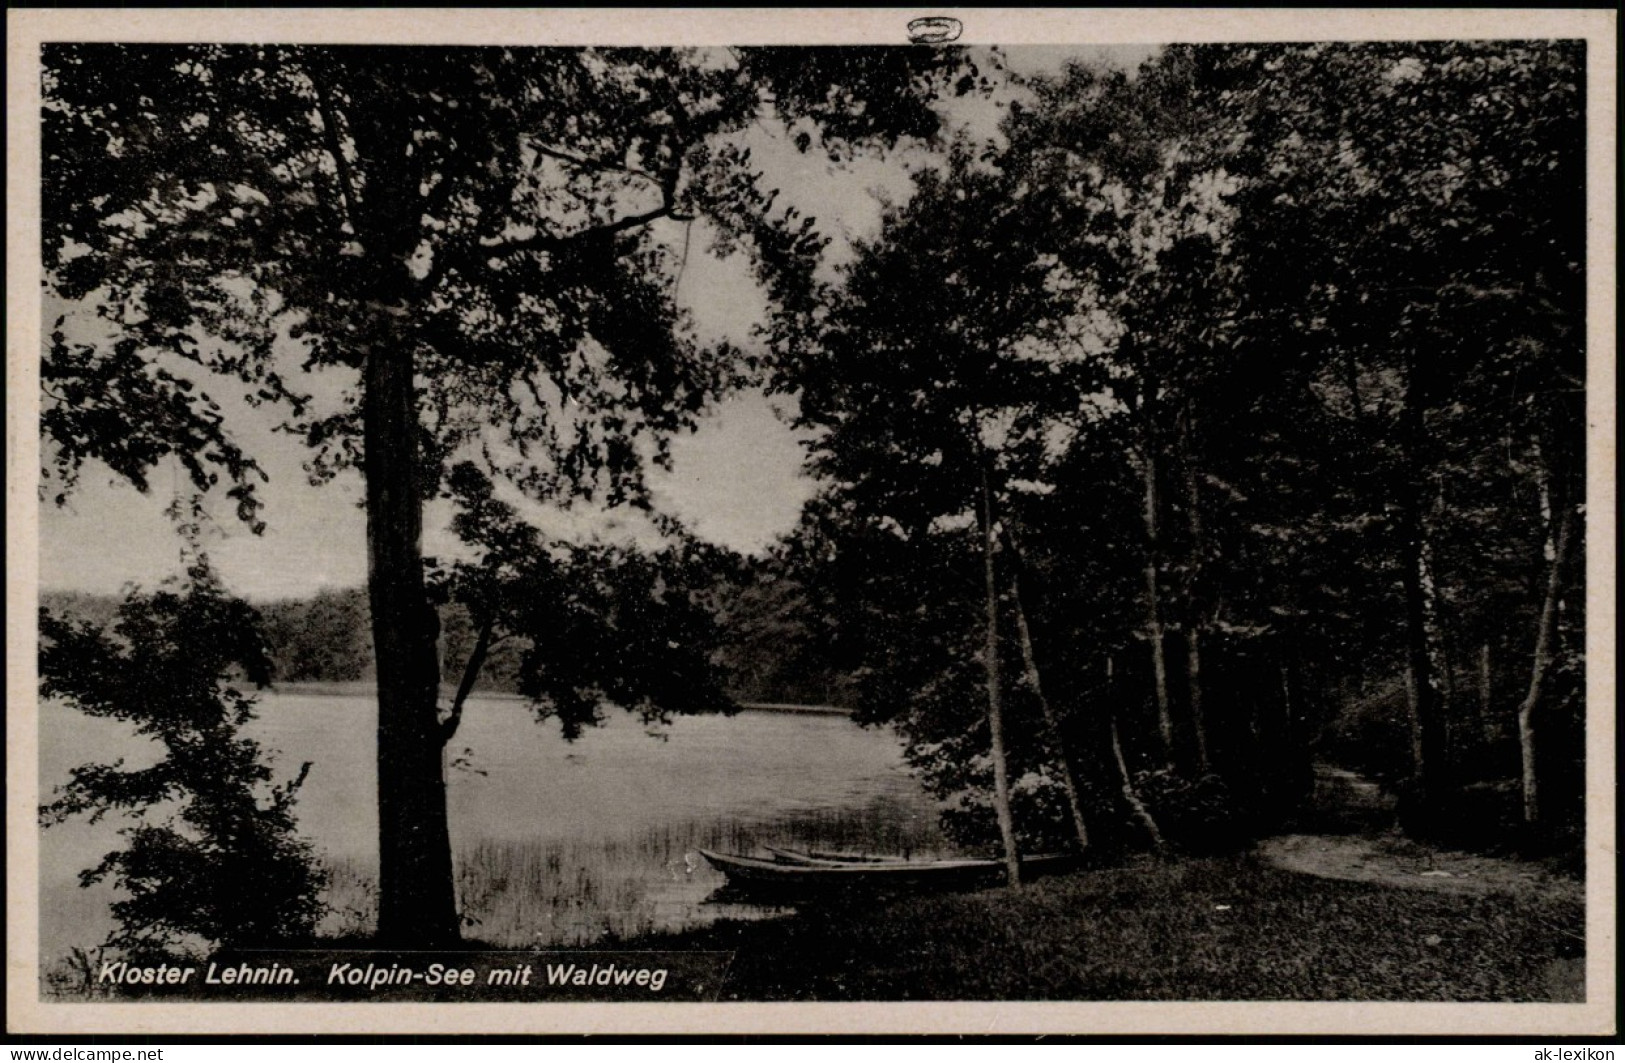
(1357, 913)
(1351, 833)
(1228, 928)
(1393, 860)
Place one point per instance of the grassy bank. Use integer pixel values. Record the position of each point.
(578, 892)
(1216, 929)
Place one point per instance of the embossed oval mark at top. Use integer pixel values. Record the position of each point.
(936, 29)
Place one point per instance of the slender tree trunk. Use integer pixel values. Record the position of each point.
(1351, 380)
(1153, 599)
(1142, 814)
(1438, 629)
(1029, 661)
(1486, 695)
(1545, 633)
(1193, 670)
(1543, 487)
(1125, 780)
(995, 696)
(1193, 597)
(1288, 708)
(1435, 723)
(1413, 709)
(417, 905)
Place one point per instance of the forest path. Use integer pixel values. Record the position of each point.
(1363, 844)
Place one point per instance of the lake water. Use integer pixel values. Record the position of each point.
(555, 843)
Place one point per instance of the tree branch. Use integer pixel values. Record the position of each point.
(556, 242)
(330, 138)
(583, 163)
(445, 258)
(471, 672)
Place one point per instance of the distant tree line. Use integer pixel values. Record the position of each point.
(323, 638)
(769, 647)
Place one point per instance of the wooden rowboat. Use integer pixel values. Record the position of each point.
(817, 873)
(810, 857)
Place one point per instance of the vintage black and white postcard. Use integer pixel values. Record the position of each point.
(885, 521)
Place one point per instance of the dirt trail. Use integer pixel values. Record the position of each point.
(1373, 850)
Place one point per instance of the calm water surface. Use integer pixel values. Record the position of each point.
(556, 843)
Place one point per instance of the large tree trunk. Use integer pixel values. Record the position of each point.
(1029, 660)
(417, 905)
(1422, 678)
(1544, 635)
(995, 694)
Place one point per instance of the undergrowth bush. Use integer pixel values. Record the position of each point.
(1371, 736)
(1198, 815)
(211, 851)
